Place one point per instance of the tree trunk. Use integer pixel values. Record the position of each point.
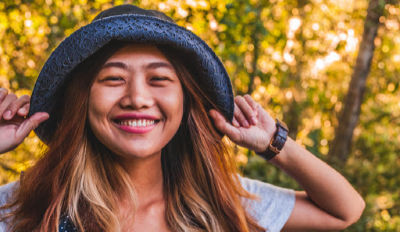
(256, 42)
(348, 119)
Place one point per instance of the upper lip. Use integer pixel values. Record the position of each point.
(135, 116)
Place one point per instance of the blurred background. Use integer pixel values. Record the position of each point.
(329, 68)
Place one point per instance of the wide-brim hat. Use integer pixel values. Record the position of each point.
(128, 23)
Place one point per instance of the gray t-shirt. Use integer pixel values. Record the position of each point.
(271, 210)
(274, 206)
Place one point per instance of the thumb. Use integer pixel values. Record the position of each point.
(30, 124)
(224, 126)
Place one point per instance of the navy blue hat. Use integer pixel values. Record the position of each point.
(128, 23)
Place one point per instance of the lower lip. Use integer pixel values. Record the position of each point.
(136, 130)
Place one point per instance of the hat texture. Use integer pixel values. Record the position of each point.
(128, 23)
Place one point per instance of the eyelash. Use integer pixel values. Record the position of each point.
(113, 79)
(116, 78)
(157, 78)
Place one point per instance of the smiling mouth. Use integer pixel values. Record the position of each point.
(137, 123)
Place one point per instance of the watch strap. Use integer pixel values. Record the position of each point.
(277, 142)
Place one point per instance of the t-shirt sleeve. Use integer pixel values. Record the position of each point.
(274, 204)
(6, 192)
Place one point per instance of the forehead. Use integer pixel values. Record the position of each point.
(138, 53)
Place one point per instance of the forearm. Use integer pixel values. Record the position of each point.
(330, 202)
(328, 189)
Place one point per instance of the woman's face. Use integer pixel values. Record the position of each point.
(136, 102)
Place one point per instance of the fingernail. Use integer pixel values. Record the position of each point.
(46, 115)
(7, 114)
(246, 124)
(254, 120)
(212, 114)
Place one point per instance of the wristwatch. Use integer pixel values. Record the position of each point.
(277, 141)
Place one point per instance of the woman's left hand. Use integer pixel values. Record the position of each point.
(252, 127)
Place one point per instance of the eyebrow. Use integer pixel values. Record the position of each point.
(115, 64)
(159, 65)
(153, 65)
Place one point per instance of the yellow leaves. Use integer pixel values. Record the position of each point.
(384, 219)
(266, 66)
(4, 83)
(3, 23)
(241, 157)
(21, 92)
(384, 201)
(294, 25)
(288, 95)
(77, 11)
(53, 19)
(213, 25)
(15, 20)
(102, 1)
(391, 87)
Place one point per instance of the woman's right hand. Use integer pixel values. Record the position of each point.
(14, 125)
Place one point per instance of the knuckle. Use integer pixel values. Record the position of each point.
(25, 97)
(8, 100)
(12, 108)
(11, 97)
(238, 98)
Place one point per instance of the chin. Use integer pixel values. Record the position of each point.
(137, 153)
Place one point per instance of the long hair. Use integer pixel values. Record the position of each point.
(80, 179)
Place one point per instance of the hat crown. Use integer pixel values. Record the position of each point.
(131, 9)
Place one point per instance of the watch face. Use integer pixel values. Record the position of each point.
(282, 124)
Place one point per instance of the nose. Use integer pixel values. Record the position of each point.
(137, 95)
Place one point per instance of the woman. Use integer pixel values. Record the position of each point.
(137, 108)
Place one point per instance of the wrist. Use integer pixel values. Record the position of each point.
(284, 156)
(277, 141)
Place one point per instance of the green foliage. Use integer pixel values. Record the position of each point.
(295, 57)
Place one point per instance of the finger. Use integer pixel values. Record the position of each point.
(251, 102)
(30, 124)
(3, 94)
(9, 99)
(23, 111)
(237, 113)
(15, 106)
(225, 127)
(235, 122)
(263, 112)
(247, 110)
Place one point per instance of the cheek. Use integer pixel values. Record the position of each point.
(174, 104)
(100, 105)
(95, 107)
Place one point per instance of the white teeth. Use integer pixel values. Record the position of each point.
(137, 123)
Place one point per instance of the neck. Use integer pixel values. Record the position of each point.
(146, 176)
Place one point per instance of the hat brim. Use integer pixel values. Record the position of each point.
(210, 72)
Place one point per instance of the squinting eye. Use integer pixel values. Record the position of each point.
(159, 78)
(113, 79)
